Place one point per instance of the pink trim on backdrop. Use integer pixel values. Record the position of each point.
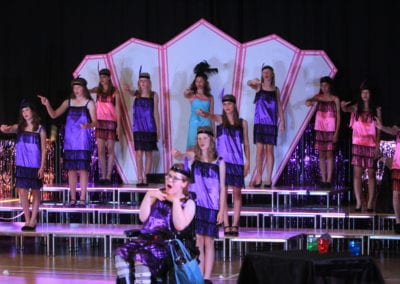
(87, 58)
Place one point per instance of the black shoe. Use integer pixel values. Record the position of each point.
(234, 231)
(370, 210)
(227, 231)
(207, 281)
(29, 228)
(107, 182)
(257, 185)
(397, 228)
(357, 209)
(268, 185)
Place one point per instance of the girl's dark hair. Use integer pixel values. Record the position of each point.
(207, 89)
(273, 74)
(109, 92)
(22, 124)
(372, 105)
(329, 81)
(237, 122)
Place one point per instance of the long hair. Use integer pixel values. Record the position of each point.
(211, 151)
(207, 89)
(138, 93)
(109, 92)
(22, 124)
(86, 93)
(371, 103)
(273, 74)
(237, 122)
(329, 81)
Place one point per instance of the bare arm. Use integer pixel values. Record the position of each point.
(181, 217)
(54, 113)
(393, 130)
(9, 128)
(188, 93)
(43, 152)
(255, 84)
(222, 192)
(338, 117)
(280, 111)
(346, 107)
(212, 117)
(246, 147)
(212, 111)
(93, 117)
(156, 115)
(148, 200)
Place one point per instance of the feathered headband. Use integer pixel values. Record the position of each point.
(203, 69)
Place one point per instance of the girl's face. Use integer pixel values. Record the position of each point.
(27, 113)
(365, 95)
(325, 88)
(228, 107)
(78, 90)
(144, 83)
(267, 74)
(104, 79)
(203, 140)
(199, 82)
(175, 183)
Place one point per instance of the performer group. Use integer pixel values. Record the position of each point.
(217, 156)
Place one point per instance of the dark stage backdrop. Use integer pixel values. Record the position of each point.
(43, 41)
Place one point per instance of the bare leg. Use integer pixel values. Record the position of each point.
(139, 165)
(35, 207)
(84, 178)
(111, 158)
(396, 205)
(149, 162)
(357, 173)
(200, 244)
(322, 165)
(72, 180)
(101, 153)
(237, 205)
(270, 163)
(371, 188)
(226, 218)
(209, 256)
(23, 197)
(330, 165)
(259, 163)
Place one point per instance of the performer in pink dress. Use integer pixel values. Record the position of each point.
(327, 124)
(365, 142)
(395, 172)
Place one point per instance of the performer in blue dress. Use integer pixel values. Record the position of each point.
(268, 117)
(146, 126)
(233, 147)
(199, 95)
(78, 146)
(165, 214)
(30, 160)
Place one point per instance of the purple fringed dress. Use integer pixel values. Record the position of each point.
(28, 159)
(230, 148)
(206, 186)
(77, 140)
(144, 125)
(153, 251)
(266, 117)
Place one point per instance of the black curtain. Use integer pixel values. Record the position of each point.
(43, 41)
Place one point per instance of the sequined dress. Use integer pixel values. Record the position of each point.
(396, 165)
(265, 117)
(230, 148)
(150, 248)
(106, 118)
(78, 142)
(144, 125)
(325, 126)
(28, 159)
(206, 186)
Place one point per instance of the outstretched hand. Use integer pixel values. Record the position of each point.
(43, 100)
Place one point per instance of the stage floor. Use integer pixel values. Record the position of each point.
(88, 266)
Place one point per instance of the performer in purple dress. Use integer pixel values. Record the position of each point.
(108, 121)
(165, 214)
(233, 147)
(209, 186)
(268, 114)
(146, 129)
(327, 125)
(81, 118)
(30, 160)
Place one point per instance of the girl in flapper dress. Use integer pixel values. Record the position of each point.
(199, 95)
(81, 118)
(146, 126)
(108, 121)
(208, 172)
(365, 143)
(30, 160)
(233, 147)
(268, 117)
(165, 214)
(395, 171)
(327, 124)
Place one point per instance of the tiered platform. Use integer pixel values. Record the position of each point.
(275, 222)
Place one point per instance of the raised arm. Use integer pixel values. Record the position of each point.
(346, 107)
(392, 130)
(53, 113)
(255, 84)
(148, 200)
(9, 128)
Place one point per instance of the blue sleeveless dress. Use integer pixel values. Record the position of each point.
(196, 120)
